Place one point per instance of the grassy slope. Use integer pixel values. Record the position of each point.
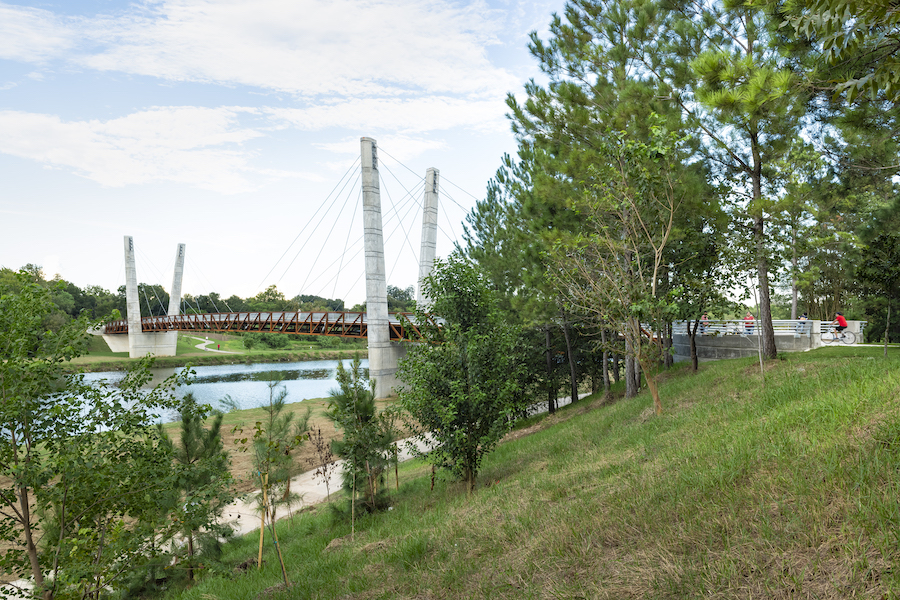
(737, 491)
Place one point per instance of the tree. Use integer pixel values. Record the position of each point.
(83, 464)
(862, 39)
(203, 477)
(880, 268)
(401, 300)
(461, 387)
(368, 435)
(612, 271)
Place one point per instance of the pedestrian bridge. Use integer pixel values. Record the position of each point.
(338, 324)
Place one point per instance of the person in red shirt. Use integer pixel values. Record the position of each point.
(748, 323)
(839, 323)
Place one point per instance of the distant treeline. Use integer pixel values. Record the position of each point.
(100, 303)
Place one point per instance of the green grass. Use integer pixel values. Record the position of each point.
(784, 490)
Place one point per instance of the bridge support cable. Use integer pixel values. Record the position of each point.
(324, 245)
(156, 287)
(396, 207)
(201, 277)
(346, 246)
(396, 211)
(321, 206)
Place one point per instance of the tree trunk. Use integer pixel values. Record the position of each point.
(651, 385)
(605, 362)
(630, 389)
(573, 375)
(762, 261)
(692, 337)
(794, 281)
(637, 374)
(670, 360)
(30, 546)
(551, 391)
(615, 360)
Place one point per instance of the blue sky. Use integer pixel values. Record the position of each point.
(225, 124)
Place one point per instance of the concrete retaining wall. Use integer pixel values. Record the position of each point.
(721, 345)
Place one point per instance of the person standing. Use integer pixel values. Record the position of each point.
(704, 324)
(748, 323)
(801, 326)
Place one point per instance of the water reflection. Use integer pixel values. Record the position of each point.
(247, 385)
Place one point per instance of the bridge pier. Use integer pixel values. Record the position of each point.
(384, 356)
(140, 343)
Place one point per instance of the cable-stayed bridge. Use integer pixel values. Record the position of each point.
(157, 335)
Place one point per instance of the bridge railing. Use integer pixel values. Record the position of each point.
(332, 323)
(741, 327)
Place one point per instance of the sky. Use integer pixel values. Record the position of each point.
(234, 126)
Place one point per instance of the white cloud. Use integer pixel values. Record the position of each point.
(411, 115)
(33, 35)
(302, 47)
(197, 146)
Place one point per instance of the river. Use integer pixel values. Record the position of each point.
(245, 384)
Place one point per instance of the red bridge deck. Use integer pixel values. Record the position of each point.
(339, 324)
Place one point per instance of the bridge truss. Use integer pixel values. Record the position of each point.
(337, 324)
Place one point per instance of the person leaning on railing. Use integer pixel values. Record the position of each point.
(800, 327)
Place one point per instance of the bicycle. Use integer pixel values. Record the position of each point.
(845, 337)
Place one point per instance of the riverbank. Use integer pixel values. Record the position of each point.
(86, 365)
(99, 358)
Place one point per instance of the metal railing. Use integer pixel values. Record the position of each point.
(781, 327)
(338, 324)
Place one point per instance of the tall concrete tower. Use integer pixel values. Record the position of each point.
(140, 343)
(132, 301)
(429, 231)
(177, 276)
(382, 362)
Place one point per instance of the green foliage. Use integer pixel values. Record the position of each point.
(462, 386)
(368, 435)
(401, 300)
(202, 476)
(81, 463)
(274, 440)
(859, 38)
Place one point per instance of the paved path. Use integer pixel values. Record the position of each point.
(243, 515)
(205, 343)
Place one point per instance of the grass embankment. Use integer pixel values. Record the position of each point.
(785, 490)
(101, 358)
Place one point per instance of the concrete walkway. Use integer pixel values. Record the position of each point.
(205, 343)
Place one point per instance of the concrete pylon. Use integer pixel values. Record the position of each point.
(383, 355)
(140, 343)
(429, 231)
(132, 301)
(177, 276)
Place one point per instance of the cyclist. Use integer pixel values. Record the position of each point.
(839, 323)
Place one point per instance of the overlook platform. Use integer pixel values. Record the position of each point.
(723, 339)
